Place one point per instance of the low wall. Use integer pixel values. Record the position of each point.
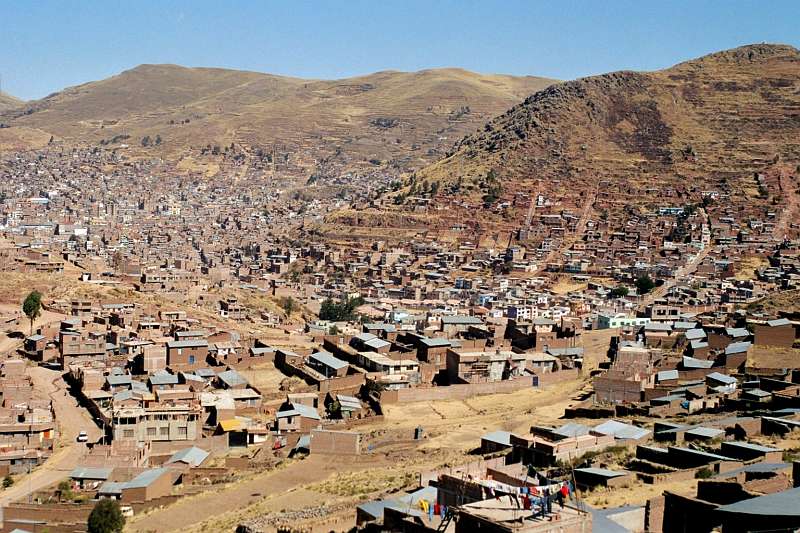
(454, 392)
(52, 513)
(476, 468)
(326, 442)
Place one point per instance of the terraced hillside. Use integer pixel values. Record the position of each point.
(624, 141)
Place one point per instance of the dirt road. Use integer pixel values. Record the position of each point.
(680, 276)
(452, 428)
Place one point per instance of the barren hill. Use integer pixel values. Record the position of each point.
(382, 116)
(715, 113)
(8, 102)
(633, 138)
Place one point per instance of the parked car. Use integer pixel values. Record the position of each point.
(126, 510)
(83, 436)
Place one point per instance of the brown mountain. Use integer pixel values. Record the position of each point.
(382, 116)
(603, 144)
(8, 102)
(718, 116)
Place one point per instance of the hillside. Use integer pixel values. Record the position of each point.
(8, 102)
(383, 116)
(627, 140)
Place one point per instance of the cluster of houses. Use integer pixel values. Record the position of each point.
(28, 429)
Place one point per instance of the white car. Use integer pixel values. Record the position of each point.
(126, 510)
(83, 437)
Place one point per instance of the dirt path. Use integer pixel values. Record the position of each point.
(680, 276)
(789, 212)
(193, 510)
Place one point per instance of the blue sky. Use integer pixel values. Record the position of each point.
(46, 45)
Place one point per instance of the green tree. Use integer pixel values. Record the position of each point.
(645, 284)
(343, 310)
(106, 517)
(65, 491)
(32, 307)
(619, 292)
(7, 481)
(146, 141)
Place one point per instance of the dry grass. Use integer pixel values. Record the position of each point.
(760, 356)
(308, 116)
(748, 265)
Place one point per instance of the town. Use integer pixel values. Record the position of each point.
(423, 299)
(625, 371)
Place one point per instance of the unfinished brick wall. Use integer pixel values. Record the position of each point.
(328, 442)
(654, 515)
(454, 392)
(774, 336)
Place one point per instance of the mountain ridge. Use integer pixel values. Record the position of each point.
(608, 144)
(8, 101)
(385, 116)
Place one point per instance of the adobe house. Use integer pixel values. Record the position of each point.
(148, 485)
(34, 347)
(327, 365)
(182, 355)
(433, 350)
(780, 332)
(296, 418)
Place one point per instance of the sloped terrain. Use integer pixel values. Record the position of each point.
(8, 102)
(624, 141)
(384, 116)
(713, 118)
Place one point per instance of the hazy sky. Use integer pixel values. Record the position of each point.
(46, 45)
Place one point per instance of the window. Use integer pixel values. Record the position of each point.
(165, 431)
(191, 359)
(151, 432)
(182, 432)
(127, 433)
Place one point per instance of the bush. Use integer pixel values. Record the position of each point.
(703, 473)
(7, 482)
(341, 311)
(619, 292)
(106, 517)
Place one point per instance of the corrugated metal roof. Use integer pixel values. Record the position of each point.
(667, 374)
(778, 504)
(230, 425)
(622, 431)
(778, 322)
(691, 362)
(704, 432)
(193, 456)
(737, 347)
(328, 359)
(232, 378)
(90, 472)
(722, 378)
(601, 472)
(498, 437)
